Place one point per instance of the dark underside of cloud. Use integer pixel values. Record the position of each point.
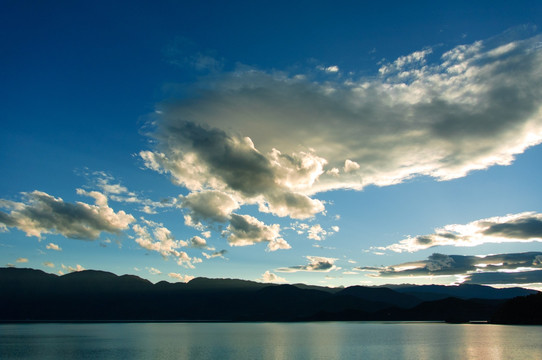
(276, 139)
(513, 268)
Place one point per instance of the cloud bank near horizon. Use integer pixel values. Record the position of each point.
(512, 268)
(522, 227)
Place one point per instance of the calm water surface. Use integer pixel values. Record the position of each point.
(326, 340)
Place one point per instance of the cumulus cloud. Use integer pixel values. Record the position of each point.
(21, 260)
(247, 230)
(198, 242)
(180, 278)
(277, 140)
(316, 264)
(54, 247)
(269, 277)
(210, 205)
(45, 214)
(49, 264)
(316, 232)
(522, 227)
(163, 242)
(475, 269)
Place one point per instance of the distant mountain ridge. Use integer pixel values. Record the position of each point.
(91, 295)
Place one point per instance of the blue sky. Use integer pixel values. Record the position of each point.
(318, 142)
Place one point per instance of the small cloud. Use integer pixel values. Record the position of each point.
(179, 277)
(316, 232)
(54, 247)
(72, 269)
(215, 254)
(148, 210)
(316, 264)
(49, 264)
(350, 166)
(269, 277)
(154, 271)
(21, 260)
(198, 242)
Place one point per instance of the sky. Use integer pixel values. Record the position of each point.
(327, 143)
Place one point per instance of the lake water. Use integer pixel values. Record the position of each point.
(322, 340)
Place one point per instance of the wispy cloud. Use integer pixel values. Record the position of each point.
(523, 227)
(215, 254)
(316, 263)
(513, 268)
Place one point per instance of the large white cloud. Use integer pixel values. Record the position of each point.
(45, 214)
(522, 227)
(476, 107)
(277, 139)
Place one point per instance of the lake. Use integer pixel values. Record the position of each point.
(319, 340)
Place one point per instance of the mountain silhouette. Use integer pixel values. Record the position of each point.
(90, 295)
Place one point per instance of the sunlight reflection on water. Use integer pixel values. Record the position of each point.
(325, 340)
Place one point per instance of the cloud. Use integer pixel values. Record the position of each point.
(45, 214)
(52, 246)
(277, 139)
(49, 264)
(71, 268)
(215, 254)
(210, 205)
(198, 242)
(473, 268)
(522, 227)
(316, 264)
(21, 260)
(317, 233)
(181, 278)
(163, 242)
(198, 157)
(498, 278)
(269, 277)
(154, 271)
(247, 230)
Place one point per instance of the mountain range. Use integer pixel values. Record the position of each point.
(33, 295)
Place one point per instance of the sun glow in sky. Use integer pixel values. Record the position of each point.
(330, 143)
